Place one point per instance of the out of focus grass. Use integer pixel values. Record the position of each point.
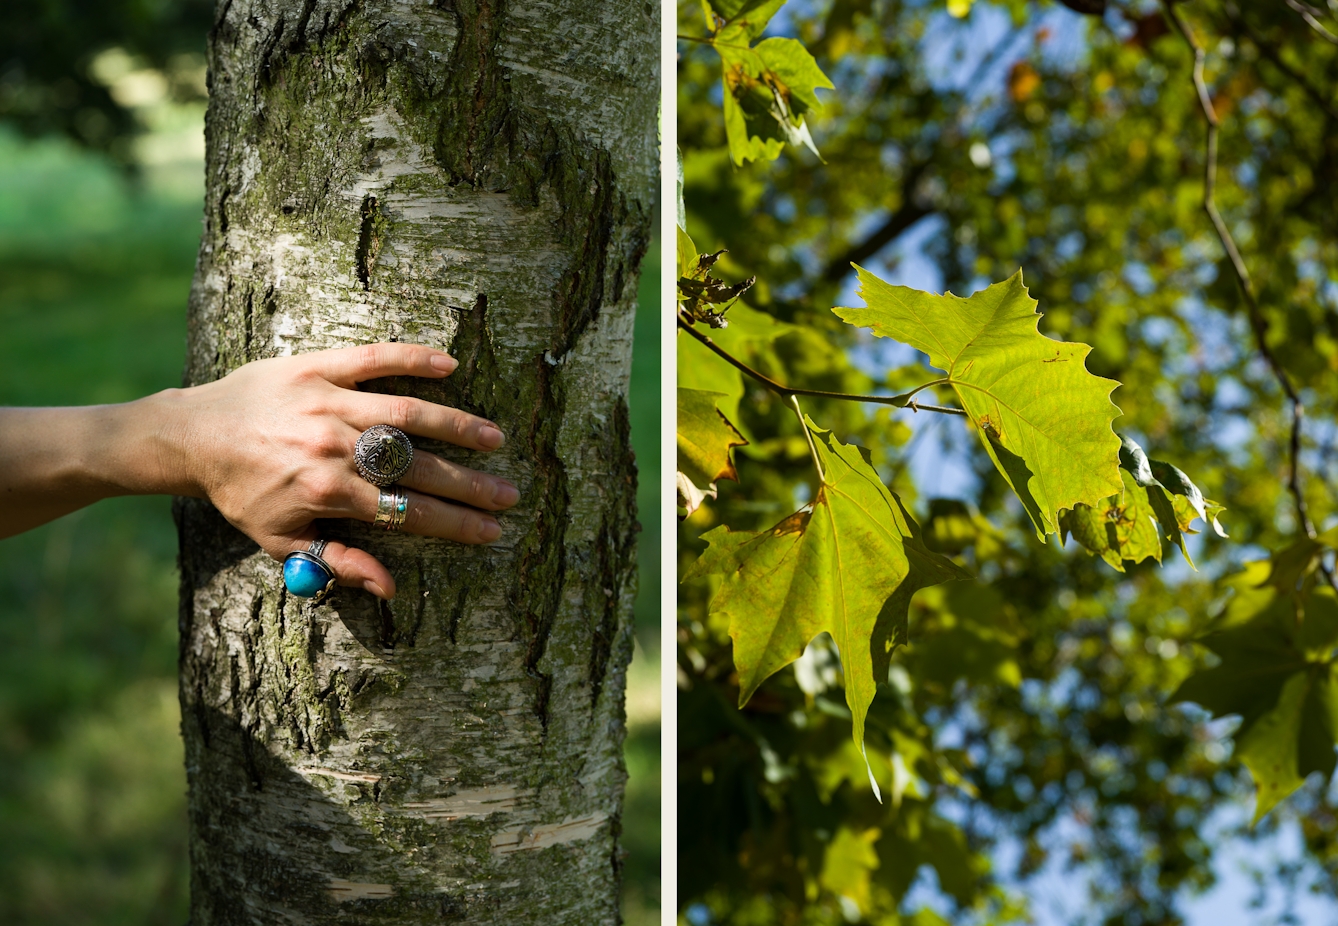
(93, 285)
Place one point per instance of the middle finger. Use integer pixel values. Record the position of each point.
(414, 416)
(431, 474)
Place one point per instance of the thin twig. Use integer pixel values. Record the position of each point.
(1273, 55)
(785, 392)
(1257, 322)
(1308, 14)
(812, 449)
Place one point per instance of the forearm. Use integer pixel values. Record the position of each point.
(56, 460)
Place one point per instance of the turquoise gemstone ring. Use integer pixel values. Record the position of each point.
(306, 575)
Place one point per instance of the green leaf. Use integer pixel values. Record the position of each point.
(1292, 740)
(846, 865)
(1120, 529)
(1043, 418)
(767, 90)
(749, 337)
(1123, 529)
(747, 17)
(705, 439)
(847, 564)
(1274, 672)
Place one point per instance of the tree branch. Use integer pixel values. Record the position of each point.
(905, 400)
(1275, 57)
(1257, 322)
(907, 215)
(910, 211)
(1308, 14)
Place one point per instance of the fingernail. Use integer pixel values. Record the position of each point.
(444, 363)
(491, 437)
(490, 531)
(375, 589)
(506, 495)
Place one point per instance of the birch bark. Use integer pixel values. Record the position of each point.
(475, 175)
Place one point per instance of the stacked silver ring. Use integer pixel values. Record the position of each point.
(392, 507)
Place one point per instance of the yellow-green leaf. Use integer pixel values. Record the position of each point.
(768, 88)
(846, 864)
(1122, 528)
(745, 17)
(1274, 671)
(749, 337)
(705, 439)
(848, 564)
(1043, 418)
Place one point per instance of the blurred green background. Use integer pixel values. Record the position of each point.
(94, 273)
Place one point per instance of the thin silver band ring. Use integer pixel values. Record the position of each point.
(392, 507)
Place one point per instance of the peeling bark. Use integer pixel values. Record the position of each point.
(476, 175)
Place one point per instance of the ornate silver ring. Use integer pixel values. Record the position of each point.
(392, 507)
(383, 454)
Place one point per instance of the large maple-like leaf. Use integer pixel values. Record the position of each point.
(1043, 418)
(847, 564)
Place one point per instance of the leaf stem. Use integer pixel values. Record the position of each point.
(812, 448)
(1258, 324)
(905, 400)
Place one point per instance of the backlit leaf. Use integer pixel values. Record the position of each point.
(848, 564)
(1124, 527)
(1276, 673)
(768, 87)
(1043, 418)
(705, 439)
(746, 17)
(846, 864)
(749, 337)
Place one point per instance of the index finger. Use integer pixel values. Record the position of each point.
(348, 366)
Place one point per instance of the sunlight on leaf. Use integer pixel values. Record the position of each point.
(705, 440)
(1043, 418)
(848, 564)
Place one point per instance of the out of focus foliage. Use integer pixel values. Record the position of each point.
(64, 63)
(1036, 721)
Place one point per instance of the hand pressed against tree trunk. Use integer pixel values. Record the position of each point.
(271, 445)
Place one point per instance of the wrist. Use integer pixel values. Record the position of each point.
(149, 446)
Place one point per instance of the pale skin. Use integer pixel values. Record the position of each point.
(270, 445)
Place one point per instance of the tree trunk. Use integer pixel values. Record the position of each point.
(475, 175)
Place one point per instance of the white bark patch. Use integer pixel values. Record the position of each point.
(398, 154)
(341, 776)
(343, 891)
(480, 803)
(571, 829)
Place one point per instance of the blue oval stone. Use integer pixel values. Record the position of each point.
(303, 577)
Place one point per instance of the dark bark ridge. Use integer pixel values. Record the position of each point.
(476, 176)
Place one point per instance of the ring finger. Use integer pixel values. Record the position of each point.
(432, 517)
